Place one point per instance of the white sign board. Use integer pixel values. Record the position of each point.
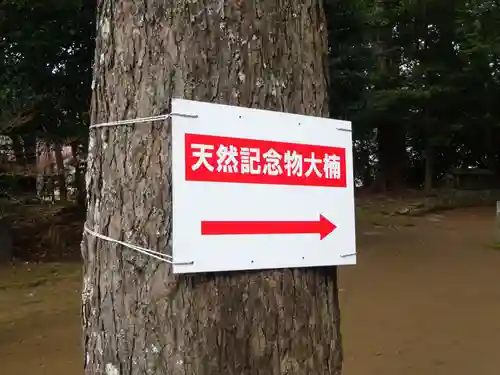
(256, 189)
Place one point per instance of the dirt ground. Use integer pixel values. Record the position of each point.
(423, 299)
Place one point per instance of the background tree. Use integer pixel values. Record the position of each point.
(46, 50)
(423, 73)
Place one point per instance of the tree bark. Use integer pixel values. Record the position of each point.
(43, 163)
(79, 184)
(61, 173)
(30, 148)
(18, 148)
(392, 155)
(138, 317)
(391, 134)
(429, 167)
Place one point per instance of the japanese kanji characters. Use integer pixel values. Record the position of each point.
(331, 166)
(293, 163)
(227, 161)
(203, 155)
(250, 160)
(313, 162)
(263, 161)
(272, 166)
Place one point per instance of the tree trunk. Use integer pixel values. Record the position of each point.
(79, 185)
(18, 149)
(30, 147)
(365, 168)
(61, 174)
(42, 162)
(429, 166)
(392, 155)
(391, 134)
(139, 318)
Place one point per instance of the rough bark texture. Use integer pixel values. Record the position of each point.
(392, 155)
(79, 184)
(44, 186)
(391, 133)
(61, 172)
(138, 317)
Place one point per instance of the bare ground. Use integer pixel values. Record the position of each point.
(424, 299)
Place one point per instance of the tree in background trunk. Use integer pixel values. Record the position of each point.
(44, 169)
(391, 133)
(61, 173)
(139, 318)
(78, 183)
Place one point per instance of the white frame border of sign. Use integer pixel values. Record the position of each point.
(320, 218)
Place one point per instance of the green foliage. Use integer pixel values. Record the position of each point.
(46, 50)
(430, 66)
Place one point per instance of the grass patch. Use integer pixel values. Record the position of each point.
(29, 275)
(494, 246)
(28, 290)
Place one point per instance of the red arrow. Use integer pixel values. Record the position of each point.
(323, 227)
